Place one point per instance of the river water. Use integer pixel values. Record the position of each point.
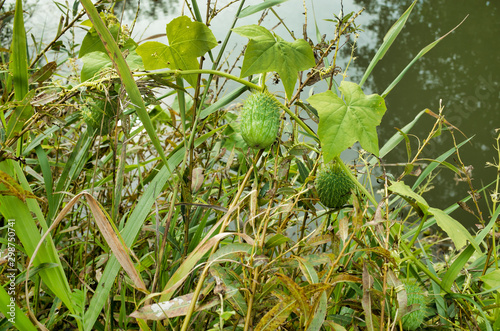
(462, 72)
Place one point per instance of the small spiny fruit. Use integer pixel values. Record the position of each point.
(260, 119)
(415, 295)
(334, 186)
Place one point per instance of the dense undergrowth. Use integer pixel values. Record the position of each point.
(130, 199)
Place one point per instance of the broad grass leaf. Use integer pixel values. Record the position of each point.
(260, 7)
(267, 52)
(126, 77)
(188, 40)
(276, 240)
(453, 271)
(457, 232)
(342, 122)
(21, 321)
(277, 315)
(297, 292)
(114, 241)
(158, 311)
(230, 252)
(308, 270)
(388, 40)
(404, 190)
(319, 314)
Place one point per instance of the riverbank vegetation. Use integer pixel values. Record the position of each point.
(131, 200)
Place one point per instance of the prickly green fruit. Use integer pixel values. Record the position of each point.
(415, 295)
(260, 118)
(333, 186)
(98, 115)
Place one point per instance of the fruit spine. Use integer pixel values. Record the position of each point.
(334, 186)
(260, 119)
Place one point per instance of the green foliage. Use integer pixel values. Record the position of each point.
(333, 186)
(344, 122)
(99, 114)
(414, 319)
(188, 40)
(185, 229)
(259, 120)
(269, 52)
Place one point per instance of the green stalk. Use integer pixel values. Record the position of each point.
(418, 230)
(177, 72)
(125, 74)
(204, 273)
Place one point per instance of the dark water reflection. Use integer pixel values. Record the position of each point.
(463, 70)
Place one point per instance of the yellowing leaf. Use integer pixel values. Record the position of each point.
(277, 315)
(267, 52)
(342, 122)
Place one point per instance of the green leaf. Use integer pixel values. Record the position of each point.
(12, 312)
(188, 40)
(96, 61)
(492, 279)
(126, 77)
(461, 260)
(257, 8)
(388, 40)
(267, 52)
(457, 232)
(344, 122)
(18, 68)
(422, 52)
(92, 42)
(402, 189)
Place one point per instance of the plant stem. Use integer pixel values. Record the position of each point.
(204, 274)
(418, 230)
(202, 71)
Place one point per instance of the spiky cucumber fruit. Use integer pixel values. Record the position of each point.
(415, 295)
(260, 119)
(98, 114)
(333, 186)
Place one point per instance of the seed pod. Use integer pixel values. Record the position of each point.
(260, 118)
(333, 186)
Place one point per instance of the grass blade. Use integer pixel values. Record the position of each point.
(19, 70)
(388, 40)
(260, 7)
(132, 228)
(12, 208)
(125, 74)
(13, 313)
(422, 52)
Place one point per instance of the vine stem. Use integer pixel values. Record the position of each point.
(178, 72)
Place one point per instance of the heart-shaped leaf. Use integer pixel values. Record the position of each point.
(342, 122)
(188, 40)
